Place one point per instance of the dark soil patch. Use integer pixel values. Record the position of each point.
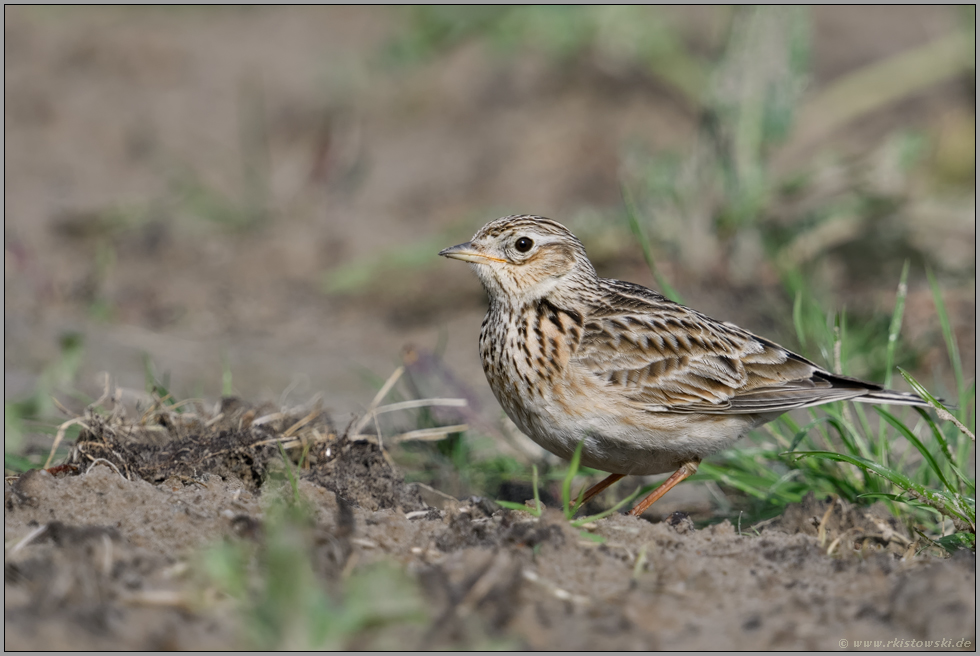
(242, 442)
(359, 473)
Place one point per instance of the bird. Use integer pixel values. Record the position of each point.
(645, 385)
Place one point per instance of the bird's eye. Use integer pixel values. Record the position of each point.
(523, 244)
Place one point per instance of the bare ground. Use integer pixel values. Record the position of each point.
(104, 562)
(105, 554)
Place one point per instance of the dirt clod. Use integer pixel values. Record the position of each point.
(833, 520)
(359, 473)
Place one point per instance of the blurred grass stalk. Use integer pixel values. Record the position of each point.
(36, 412)
(286, 604)
(713, 204)
(882, 83)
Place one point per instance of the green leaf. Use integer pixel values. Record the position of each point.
(957, 541)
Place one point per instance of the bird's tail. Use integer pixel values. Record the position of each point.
(891, 397)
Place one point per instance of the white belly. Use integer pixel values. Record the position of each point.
(621, 440)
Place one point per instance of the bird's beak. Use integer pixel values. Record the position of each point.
(468, 253)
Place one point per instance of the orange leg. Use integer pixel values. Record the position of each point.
(686, 469)
(600, 486)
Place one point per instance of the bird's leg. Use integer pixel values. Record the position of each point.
(686, 469)
(600, 486)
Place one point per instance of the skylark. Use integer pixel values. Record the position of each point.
(649, 385)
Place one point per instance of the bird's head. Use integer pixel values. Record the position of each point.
(523, 258)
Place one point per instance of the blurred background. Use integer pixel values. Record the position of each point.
(250, 201)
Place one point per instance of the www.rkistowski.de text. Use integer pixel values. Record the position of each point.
(900, 643)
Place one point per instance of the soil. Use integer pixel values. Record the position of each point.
(101, 555)
(133, 140)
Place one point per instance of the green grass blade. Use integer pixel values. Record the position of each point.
(289, 472)
(783, 480)
(956, 541)
(917, 443)
(859, 410)
(948, 336)
(534, 483)
(896, 325)
(17, 464)
(798, 318)
(898, 478)
(904, 499)
(591, 537)
(566, 485)
(641, 237)
(937, 434)
(891, 497)
(803, 432)
(578, 501)
(605, 513)
(941, 409)
(735, 480)
(511, 505)
(937, 500)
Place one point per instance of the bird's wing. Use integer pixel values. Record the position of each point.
(666, 357)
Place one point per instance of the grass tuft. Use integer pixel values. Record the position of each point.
(916, 465)
(570, 505)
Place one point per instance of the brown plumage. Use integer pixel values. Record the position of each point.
(651, 386)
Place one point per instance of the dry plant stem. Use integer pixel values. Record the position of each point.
(302, 422)
(26, 540)
(97, 461)
(686, 470)
(430, 434)
(60, 406)
(60, 436)
(822, 529)
(421, 403)
(560, 593)
(157, 404)
(106, 395)
(600, 486)
(383, 392)
(948, 416)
